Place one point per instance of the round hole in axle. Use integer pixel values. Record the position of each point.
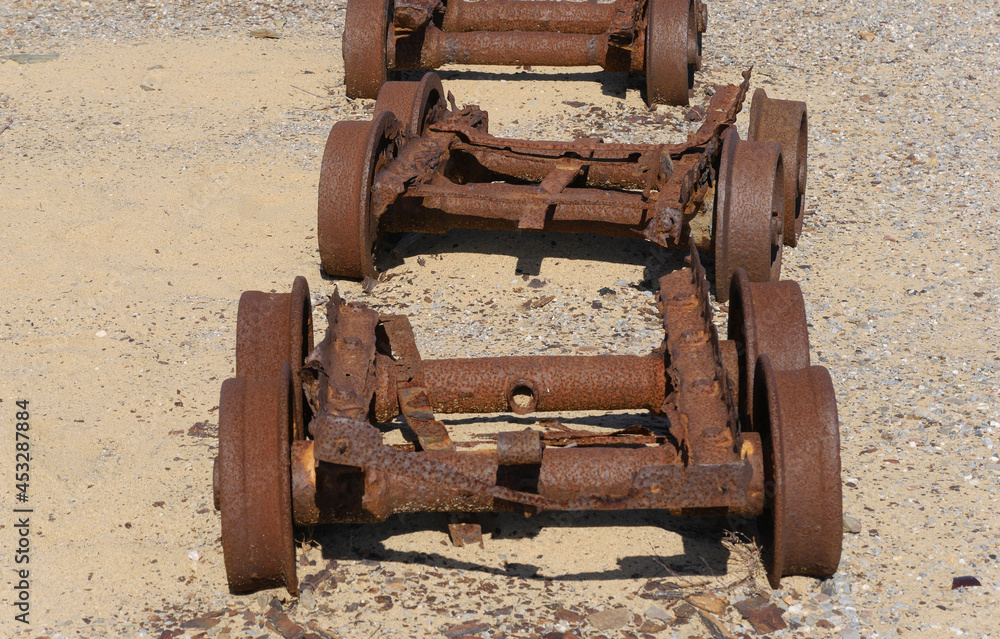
(521, 398)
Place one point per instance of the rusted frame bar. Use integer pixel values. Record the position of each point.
(701, 408)
(627, 166)
(352, 454)
(436, 206)
(514, 201)
(594, 148)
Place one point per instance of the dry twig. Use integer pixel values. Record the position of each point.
(747, 554)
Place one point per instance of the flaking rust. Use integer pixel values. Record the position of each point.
(658, 38)
(778, 460)
(423, 166)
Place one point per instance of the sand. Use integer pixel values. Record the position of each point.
(166, 161)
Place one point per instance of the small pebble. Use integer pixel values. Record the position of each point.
(852, 525)
(836, 585)
(656, 612)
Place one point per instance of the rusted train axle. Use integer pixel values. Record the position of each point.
(660, 38)
(749, 427)
(420, 166)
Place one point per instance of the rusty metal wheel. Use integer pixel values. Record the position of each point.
(787, 123)
(696, 26)
(271, 329)
(347, 229)
(766, 318)
(669, 26)
(749, 212)
(365, 46)
(252, 482)
(802, 525)
(415, 104)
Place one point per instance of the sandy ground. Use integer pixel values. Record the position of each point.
(166, 161)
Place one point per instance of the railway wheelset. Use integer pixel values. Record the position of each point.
(660, 39)
(745, 425)
(419, 165)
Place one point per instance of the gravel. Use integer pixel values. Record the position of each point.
(897, 264)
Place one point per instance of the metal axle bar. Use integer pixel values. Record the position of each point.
(554, 383)
(537, 15)
(508, 48)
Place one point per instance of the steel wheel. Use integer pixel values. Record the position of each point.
(749, 208)
(367, 26)
(668, 49)
(696, 26)
(766, 318)
(272, 329)
(253, 483)
(413, 103)
(787, 123)
(802, 525)
(347, 229)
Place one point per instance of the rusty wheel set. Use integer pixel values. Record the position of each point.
(748, 427)
(420, 166)
(658, 38)
(751, 429)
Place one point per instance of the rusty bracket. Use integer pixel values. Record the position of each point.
(466, 535)
(555, 182)
(413, 15)
(413, 400)
(344, 361)
(722, 111)
(622, 30)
